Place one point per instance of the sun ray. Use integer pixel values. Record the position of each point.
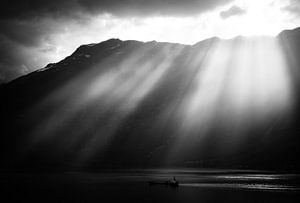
(243, 84)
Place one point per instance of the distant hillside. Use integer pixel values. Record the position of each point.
(120, 104)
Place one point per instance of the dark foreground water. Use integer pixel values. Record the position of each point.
(131, 186)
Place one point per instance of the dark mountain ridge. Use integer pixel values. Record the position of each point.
(117, 104)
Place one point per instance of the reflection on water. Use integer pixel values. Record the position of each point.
(131, 185)
(244, 186)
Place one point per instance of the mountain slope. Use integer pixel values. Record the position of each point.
(129, 104)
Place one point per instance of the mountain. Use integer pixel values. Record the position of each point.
(131, 104)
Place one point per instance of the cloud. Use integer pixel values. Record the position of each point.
(16, 60)
(19, 42)
(26, 32)
(154, 7)
(14, 9)
(58, 8)
(293, 7)
(232, 11)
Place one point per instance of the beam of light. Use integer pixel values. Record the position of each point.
(133, 90)
(208, 84)
(243, 84)
(90, 87)
(112, 93)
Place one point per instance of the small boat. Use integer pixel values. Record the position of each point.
(167, 183)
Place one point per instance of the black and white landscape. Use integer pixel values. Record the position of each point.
(220, 115)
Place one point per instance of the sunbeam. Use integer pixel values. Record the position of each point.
(112, 92)
(244, 79)
(242, 84)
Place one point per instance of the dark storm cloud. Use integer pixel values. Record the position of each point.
(154, 7)
(15, 9)
(232, 11)
(12, 60)
(19, 40)
(24, 32)
(57, 8)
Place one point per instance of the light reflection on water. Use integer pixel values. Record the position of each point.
(260, 187)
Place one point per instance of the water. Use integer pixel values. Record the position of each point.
(131, 185)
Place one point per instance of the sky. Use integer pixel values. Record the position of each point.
(34, 33)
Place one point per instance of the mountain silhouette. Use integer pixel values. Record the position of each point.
(118, 104)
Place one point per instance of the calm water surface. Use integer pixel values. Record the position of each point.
(131, 186)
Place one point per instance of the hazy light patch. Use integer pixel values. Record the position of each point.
(241, 84)
(90, 87)
(261, 18)
(273, 78)
(113, 94)
(131, 80)
(208, 84)
(132, 83)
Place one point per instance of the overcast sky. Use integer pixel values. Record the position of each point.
(34, 33)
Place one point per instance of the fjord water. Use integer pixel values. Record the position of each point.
(131, 185)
